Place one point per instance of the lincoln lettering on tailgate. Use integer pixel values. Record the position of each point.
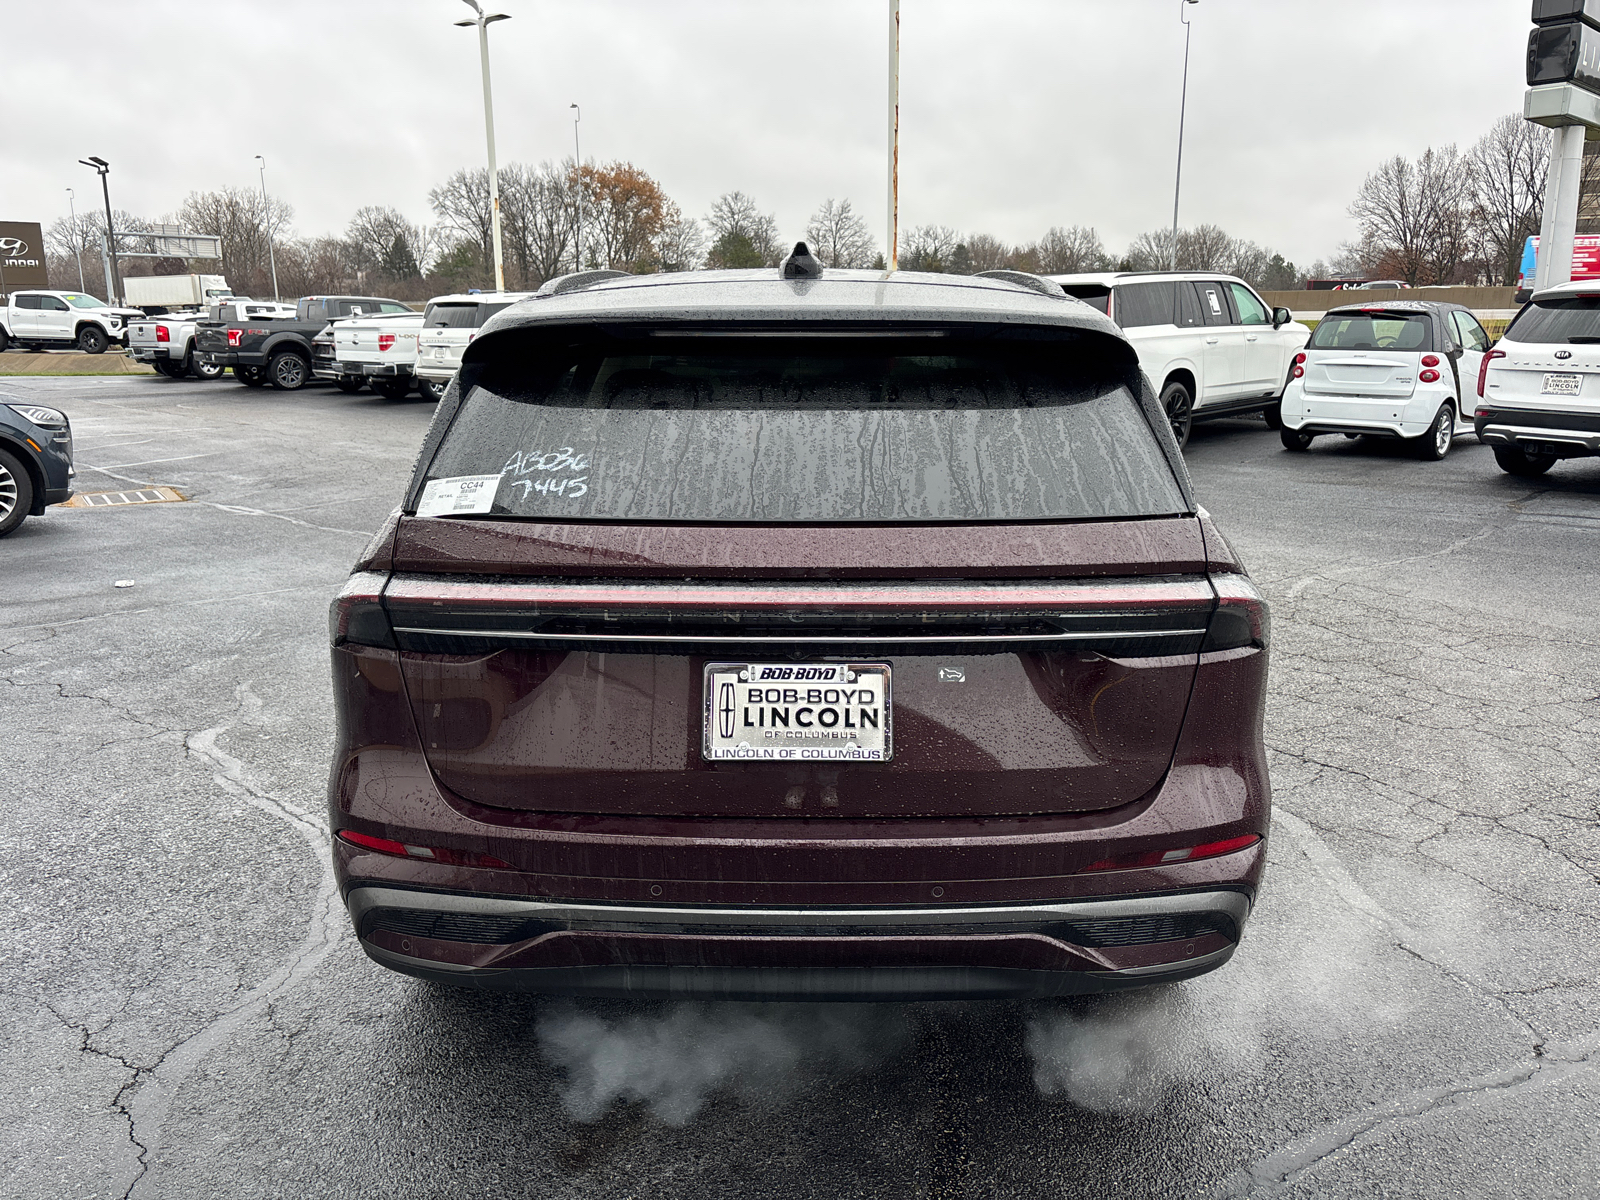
(798, 711)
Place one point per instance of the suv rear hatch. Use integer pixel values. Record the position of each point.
(1549, 357)
(998, 527)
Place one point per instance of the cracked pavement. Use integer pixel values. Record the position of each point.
(1414, 1012)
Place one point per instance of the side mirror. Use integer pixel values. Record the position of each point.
(1281, 317)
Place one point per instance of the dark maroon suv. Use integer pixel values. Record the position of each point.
(798, 634)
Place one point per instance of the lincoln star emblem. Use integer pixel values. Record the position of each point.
(725, 709)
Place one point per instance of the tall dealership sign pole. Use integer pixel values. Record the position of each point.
(266, 215)
(577, 177)
(1183, 110)
(892, 259)
(114, 278)
(1563, 94)
(483, 22)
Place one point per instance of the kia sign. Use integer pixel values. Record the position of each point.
(21, 256)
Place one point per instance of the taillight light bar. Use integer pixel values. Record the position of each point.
(357, 615)
(1241, 619)
(1167, 858)
(385, 342)
(233, 337)
(162, 335)
(1483, 368)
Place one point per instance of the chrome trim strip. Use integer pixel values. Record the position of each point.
(1537, 434)
(365, 898)
(765, 640)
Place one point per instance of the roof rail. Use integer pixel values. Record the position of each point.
(801, 264)
(577, 281)
(1034, 283)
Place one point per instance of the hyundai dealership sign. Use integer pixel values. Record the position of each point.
(21, 256)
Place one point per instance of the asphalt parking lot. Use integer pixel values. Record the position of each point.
(1414, 1011)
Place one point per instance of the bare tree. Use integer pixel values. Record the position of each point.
(682, 245)
(1509, 165)
(1150, 251)
(465, 210)
(929, 248)
(239, 218)
(986, 253)
(625, 212)
(1419, 213)
(839, 237)
(1064, 251)
(741, 234)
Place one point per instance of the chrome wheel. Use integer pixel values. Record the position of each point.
(8, 492)
(1435, 444)
(16, 492)
(288, 371)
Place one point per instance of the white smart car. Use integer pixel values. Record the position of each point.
(1403, 368)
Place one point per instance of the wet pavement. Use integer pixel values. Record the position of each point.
(1414, 1012)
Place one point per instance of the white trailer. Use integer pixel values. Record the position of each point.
(166, 292)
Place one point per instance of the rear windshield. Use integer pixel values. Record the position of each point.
(460, 316)
(1097, 294)
(808, 430)
(1374, 331)
(1559, 319)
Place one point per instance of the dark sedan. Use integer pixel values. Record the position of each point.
(793, 633)
(35, 460)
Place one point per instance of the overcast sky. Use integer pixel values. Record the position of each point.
(1015, 114)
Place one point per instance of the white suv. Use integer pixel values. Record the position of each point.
(1392, 368)
(1209, 344)
(1539, 389)
(449, 323)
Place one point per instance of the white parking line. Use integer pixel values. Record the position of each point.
(149, 461)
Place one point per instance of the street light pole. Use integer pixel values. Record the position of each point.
(483, 21)
(266, 215)
(102, 166)
(892, 259)
(1183, 107)
(577, 175)
(77, 242)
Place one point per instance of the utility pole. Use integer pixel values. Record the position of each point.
(483, 22)
(114, 276)
(266, 215)
(892, 259)
(1183, 108)
(577, 175)
(77, 241)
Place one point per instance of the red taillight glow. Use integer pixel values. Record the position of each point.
(1483, 369)
(1430, 360)
(233, 337)
(1300, 358)
(1165, 858)
(162, 335)
(385, 342)
(1428, 376)
(1480, 412)
(455, 858)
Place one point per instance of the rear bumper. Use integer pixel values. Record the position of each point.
(1566, 434)
(150, 354)
(435, 373)
(387, 370)
(223, 358)
(1393, 416)
(924, 953)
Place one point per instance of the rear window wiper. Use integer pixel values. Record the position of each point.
(1584, 339)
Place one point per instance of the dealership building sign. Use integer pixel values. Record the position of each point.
(21, 256)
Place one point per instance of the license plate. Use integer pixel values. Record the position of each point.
(798, 712)
(1561, 385)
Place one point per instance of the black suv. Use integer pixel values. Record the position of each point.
(35, 460)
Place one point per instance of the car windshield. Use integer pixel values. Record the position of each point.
(78, 301)
(1558, 319)
(1373, 331)
(808, 430)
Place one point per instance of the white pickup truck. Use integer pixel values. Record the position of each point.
(39, 320)
(167, 343)
(380, 350)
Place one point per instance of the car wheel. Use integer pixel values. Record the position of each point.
(1272, 414)
(250, 376)
(16, 492)
(5, 340)
(92, 340)
(1179, 407)
(349, 384)
(1517, 461)
(1293, 439)
(288, 371)
(202, 370)
(1435, 444)
(392, 389)
(430, 390)
(177, 370)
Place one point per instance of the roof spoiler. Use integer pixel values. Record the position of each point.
(577, 281)
(1034, 283)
